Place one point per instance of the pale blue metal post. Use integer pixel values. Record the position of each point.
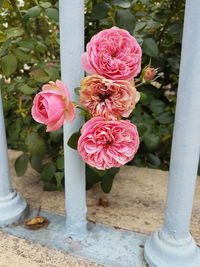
(12, 205)
(71, 48)
(172, 245)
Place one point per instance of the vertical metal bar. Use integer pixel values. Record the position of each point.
(4, 170)
(71, 48)
(184, 157)
(12, 205)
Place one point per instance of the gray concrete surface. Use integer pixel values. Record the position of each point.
(136, 203)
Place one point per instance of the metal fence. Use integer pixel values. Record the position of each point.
(172, 245)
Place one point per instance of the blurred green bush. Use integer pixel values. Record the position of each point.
(29, 55)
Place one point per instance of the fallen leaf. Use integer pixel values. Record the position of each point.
(103, 201)
(37, 222)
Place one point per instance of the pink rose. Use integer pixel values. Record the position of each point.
(52, 106)
(149, 73)
(105, 144)
(108, 98)
(114, 54)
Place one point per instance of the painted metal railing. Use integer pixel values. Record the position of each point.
(71, 48)
(12, 205)
(172, 245)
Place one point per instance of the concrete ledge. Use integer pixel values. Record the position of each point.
(103, 244)
(136, 203)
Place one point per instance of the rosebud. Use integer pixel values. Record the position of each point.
(7, 81)
(50, 64)
(148, 74)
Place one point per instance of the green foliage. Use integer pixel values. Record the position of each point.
(8, 64)
(21, 164)
(36, 162)
(73, 140)
(35, 144)
(29, 56)
(104, 177)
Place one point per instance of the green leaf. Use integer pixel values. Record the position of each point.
(6, 4)
(60, 163)
(21, 164)
(100, 10)
(139, 26)
(59, 177)
(165, 118)
(174, 62)
(73, 140)
(40, 75)
(41, 47)
(121, 3)
(52, 13)
(141, 127)
(4, 47)
(28, 44)
(24, 57)
(14, 32)
(35, 143)
(101, 173)
(56, 136)
(45, 4)
(36, 162)
(8, 64)
(48, 171)
(27, 89)
(154, 160)
(151, 141)
(176, 28)
(49, 187)
(125, 20)
(150, 47)
(157, 106)
(91, 177)
(1, 3)
(107, 179)
(76, 90)
(34, 12)
(6, 105)
(143, 97)
(25, 18)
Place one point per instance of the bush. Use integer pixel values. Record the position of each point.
(29, 52)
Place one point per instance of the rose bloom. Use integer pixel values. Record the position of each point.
(108, 98)
(114, 54)
(52, 106)
(149, 73)
(105, 143)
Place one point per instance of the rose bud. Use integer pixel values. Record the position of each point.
(149, 73)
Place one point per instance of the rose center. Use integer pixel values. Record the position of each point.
(108, 143)
(114, 54)
(103, 97)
